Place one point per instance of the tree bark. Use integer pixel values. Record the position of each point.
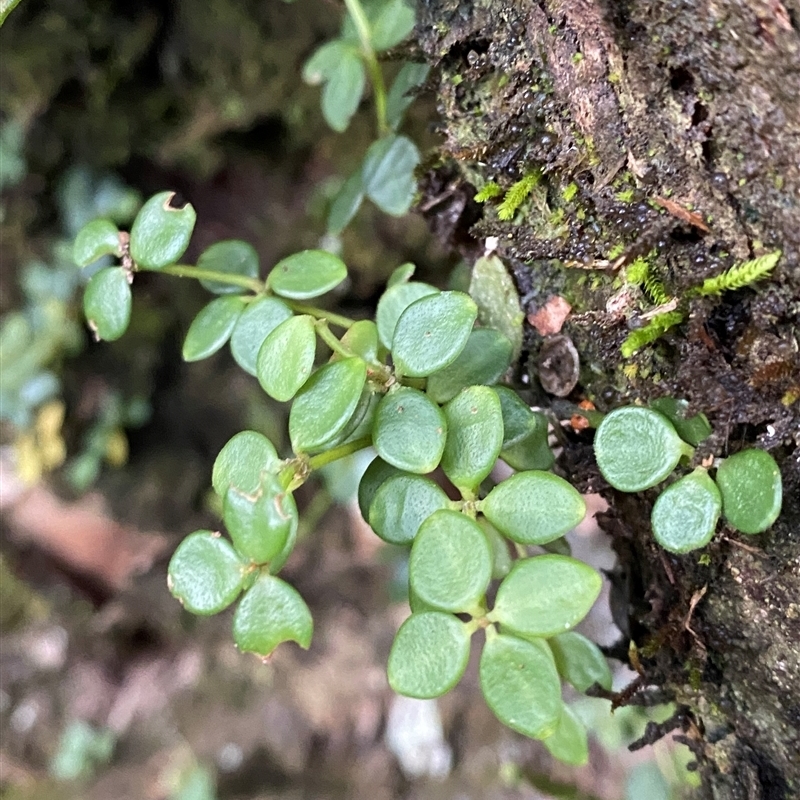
(669, 130)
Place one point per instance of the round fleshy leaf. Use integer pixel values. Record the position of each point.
(691, 429)
(324, 61)
(636, 448)
(342, 92)
(484, 360)
(546, 595)
(429, 655)
(96, 239)
(451, 562)
(107, 303)
(326, 403)
(345, 204)
(243, 462)
(409, 431)
(212, 327)
(401, 274)
(579, 661)
(525, 434)
(521, 686)
(233, 257)
(474, 436)
(286, 357)
(395, 300)
(685, 514)
(361, 420)
(533, 507)
(205, 573)
(307, 274)
(402, 94)
(373, 478)
(432, 332)
(388, 173)
(161, 232)
(257, 322)
(752, 490)
(401, 504)
(259, 524)
(276, 564)
(569, 743)
(394, 22)
(271, 612)
(361, 339)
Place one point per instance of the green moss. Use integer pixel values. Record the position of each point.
(569, 192)
(625, 196)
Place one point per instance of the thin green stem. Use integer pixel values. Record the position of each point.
(359, 17)
(324, 333)
(321, 459)
(319, 313)
(414, 383)
(186, 271)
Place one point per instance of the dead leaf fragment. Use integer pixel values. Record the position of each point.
(551, 317)
(691, 217)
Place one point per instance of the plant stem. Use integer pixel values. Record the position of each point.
(356, 11)
(324, 333)
(319, 313)
(321, 459)
(186, 271)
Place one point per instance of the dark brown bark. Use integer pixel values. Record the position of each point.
(636, 103)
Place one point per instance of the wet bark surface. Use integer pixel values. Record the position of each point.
(669, 131)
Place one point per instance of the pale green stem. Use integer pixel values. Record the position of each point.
(186, 271)
(319, 313)
(324, 333)
(321, 459)
(356, 11)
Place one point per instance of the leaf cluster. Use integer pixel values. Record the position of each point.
(638, 448)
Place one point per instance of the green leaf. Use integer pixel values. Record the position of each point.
(243, 462)
(259, 524)
(533, 507)
(451, 562)
(107, 303)
(636, 448)
(546, 595)
(307, 274)
(205, 573)
(286, 358)
(326, 403)
(569, 743)
(685, 514)
(258, 320)
(401, 504)
(691, 429)
(501, 558)
(271, 612)
(401, 274)
(393, 23)
(233, 257)
(94, 240)
(493, 289)
(361, 420)
(388, 174)
(361, 339)
(525, 444)
(212, 327)
(521, 685)
(276, 564)
(409, 431)
(752, 491)
(325, 60)
(342, 91)
(160, 232)
(432, 332)
(429, 655)
(400, 96)
(346, 204)
(474, 436)
(395, 300)
(373, 478)
(484, 360)
(579, 661)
